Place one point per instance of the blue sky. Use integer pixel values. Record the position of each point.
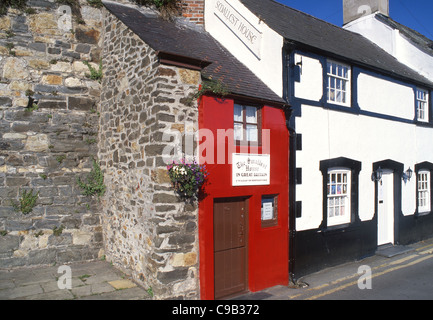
(416, 14)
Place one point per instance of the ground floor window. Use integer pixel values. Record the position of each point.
(340, 191)
(424, 185)
(424, 191)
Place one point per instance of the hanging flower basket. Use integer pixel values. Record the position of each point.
(187, 178)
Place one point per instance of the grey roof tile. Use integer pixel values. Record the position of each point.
(174, 38)
(330, 39)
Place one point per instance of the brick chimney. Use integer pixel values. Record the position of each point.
(193, 10)
(354, 9)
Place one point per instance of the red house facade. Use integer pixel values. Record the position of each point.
(243, 225)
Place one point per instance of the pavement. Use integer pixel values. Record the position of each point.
(99, 280)
(96, 280)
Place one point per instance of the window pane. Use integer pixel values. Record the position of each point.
(332, 95)
(238, 131)
(238, 115)
(252, 133)
(251, 114)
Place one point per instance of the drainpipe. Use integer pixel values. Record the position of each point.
(287, 75)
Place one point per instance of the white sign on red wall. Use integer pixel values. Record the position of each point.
(251, 170)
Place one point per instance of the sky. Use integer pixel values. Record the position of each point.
(416, 14)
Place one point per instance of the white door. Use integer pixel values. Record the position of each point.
(385, 216)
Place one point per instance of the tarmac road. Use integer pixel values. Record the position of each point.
(405, 276)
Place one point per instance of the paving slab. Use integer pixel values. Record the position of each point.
(96, 280)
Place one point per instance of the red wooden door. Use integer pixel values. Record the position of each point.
(230, 247)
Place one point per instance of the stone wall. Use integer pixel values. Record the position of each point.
(46, 147)
(147, 228)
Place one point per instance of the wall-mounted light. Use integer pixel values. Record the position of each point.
(377, 175)
(407, 175)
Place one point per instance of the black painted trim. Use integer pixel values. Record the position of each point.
(354, 108)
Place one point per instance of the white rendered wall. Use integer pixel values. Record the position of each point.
(263, 56)
(393, 42)
(329, 134)
(385, 97)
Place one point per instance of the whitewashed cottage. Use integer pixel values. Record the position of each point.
(361, 160)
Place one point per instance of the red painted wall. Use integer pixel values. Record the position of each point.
(267, 247)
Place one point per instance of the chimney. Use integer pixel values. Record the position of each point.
(193, 11)
(354, 9)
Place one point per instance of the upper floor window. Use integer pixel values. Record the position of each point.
(424, 191)
(422, 105)
(246, 124)
(338, 83)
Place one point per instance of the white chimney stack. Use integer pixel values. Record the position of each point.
(354, 9)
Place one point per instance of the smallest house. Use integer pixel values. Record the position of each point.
(149, 113)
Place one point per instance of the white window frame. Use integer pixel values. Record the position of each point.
(339, 83)
(424, 191)
(422, 105)
(339, 196)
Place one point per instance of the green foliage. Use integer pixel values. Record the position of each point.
(95, 3)
(32, 108)
(94, 184)
(150, 292)
(16, 4)
(60, 158)
(158, 3)
(38, 234)
(10, 47)
(57, 231)
(213, 87)
(27, 202)
(94, 74)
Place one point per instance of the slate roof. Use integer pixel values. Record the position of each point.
(176, 39)
(301, 28)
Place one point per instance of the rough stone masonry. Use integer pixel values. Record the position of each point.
(55, 119)
(147, 228)
(48, 135)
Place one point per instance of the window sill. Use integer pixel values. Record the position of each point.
(423, 214)
(342, 228)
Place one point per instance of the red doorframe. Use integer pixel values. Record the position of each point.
(268, 258)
